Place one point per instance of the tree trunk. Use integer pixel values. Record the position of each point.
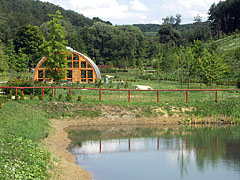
(211, 83)
(188, 82)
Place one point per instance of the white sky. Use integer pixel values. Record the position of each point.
(138, 11)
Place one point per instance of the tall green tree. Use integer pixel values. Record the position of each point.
(29, 39)
(3, 62)
(212, 66)
(55, 48)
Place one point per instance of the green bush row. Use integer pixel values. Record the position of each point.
(27, 83)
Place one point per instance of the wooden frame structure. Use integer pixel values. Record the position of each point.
(79, 69)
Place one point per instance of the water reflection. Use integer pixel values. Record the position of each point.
(182, 153)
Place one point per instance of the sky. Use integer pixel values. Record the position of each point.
(120, 12)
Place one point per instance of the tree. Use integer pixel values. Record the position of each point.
(212, 66)
(3, 62)
(11, 55)
(55, 49)
(29, 39)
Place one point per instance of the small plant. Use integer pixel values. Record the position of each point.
(50, 97)
(31, 96)
(40, 97)
(118, 86)
(69, 97)
(126, 85)
(9, 96)
(22, 97)
(16, 97)
(80, 98)
(1, 105)
(60, 97)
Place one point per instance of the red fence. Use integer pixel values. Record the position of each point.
(126, 90)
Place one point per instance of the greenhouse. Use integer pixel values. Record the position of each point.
(79, 69)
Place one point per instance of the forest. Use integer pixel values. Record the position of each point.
(189, 51)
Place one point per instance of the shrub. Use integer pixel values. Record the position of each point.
(69, 97)
(28, 83)
(40, 97)
(16, 97)
(50, 97)
(60, 97)
(22, 97)
(31, 96)
(80, 98)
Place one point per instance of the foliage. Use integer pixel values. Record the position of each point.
(3, 62)
(224, 16)
(28, 83)
(55, 48)
(22, 159)
(28, 40)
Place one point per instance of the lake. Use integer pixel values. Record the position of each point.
(146, 153)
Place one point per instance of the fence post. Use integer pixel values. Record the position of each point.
(187, 96)
(216, 96)
(100, 94)
(43, 93)
(15, 92)
(22, 91)
(157, 96)
(129, 96)
(70, 90)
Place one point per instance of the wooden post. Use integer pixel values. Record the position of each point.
(22, 92)
(157, 96)
(129, 96)
(216, 96)
(15, 92)
(70, 90)
(187, 96)
(43, 93)
(100, 95)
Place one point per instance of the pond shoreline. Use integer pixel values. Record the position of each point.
(57, 142)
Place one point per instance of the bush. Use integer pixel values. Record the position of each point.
(28, 83)
(69, 97)
(50, 97)
(238, 84)
(60, 97)
(80, 98)
(22, 97)
(31, 96)
(40, 97)
(16, 97)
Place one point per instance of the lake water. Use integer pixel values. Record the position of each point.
(134, 153)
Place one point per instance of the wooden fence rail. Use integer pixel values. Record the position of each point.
(127, 90)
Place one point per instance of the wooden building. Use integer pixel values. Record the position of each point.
(79, 69)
